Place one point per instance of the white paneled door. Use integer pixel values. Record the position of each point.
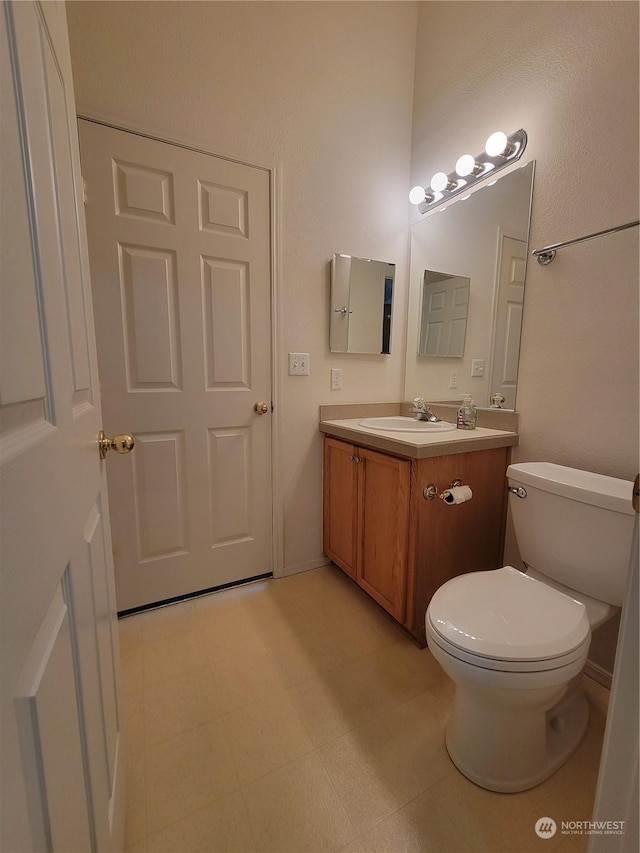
(444, 317)
(510, 299)
(61, 765)
(179, 246)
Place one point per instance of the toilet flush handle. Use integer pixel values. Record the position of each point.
(519, 492)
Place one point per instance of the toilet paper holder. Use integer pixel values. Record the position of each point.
(431, 491)
(457, 493)
(454, 484)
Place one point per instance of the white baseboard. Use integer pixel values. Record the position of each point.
(304, 567)
(598, 673)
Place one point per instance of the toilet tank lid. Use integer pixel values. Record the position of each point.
(585, 486)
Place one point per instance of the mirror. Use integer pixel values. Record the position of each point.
(443, 323)
(477, 246)
(361, 305)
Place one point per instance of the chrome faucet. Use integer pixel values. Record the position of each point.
(422, 411)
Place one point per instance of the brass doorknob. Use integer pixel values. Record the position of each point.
(121, 443)
(261, 407)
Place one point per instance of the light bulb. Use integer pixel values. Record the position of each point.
(465, 165)
(439, 182)
(417, 195)
(496, 144)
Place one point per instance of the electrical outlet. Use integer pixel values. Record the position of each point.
(298, 364)
(453, 379)
(477, 366)
(336, 379)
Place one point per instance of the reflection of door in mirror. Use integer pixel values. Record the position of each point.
(361, 305)
(510, 298)
(445, 299)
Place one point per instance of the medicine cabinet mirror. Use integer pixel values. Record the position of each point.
(361, 305)
(478, 246)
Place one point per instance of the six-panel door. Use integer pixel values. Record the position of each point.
(62, 762)
(179, 245)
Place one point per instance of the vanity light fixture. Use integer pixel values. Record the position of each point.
(500, 151)
(496, 144)
(467, 165)
(442, 183)
(419, 194)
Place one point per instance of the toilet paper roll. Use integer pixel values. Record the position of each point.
(457, 495)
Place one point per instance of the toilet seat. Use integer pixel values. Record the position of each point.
(505, 620)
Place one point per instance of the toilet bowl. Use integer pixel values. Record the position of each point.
(514, 720)
(515, 644)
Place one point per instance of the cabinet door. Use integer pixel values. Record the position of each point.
(340, 504)
(384, 529)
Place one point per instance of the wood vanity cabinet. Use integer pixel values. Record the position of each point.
(398, 546)
(366, 520)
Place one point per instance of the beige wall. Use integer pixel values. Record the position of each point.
(567, 72)
(321, 91)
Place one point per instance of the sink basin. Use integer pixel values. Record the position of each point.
(396, 423)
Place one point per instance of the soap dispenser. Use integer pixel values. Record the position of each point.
(467, 414)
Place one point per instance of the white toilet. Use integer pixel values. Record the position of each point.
(515, 644)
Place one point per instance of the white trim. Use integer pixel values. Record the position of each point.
(161, 134)
(317, 563)
(275, 191)
(494, 307)
(617, 791)
(277, 507)
(598, 673)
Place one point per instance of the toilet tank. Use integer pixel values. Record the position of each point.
(574, 526)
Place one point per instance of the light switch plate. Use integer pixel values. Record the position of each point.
(477, 366)
(298, 364)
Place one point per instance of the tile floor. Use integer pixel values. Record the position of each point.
(294, 715)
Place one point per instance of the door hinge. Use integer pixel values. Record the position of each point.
(84, 190)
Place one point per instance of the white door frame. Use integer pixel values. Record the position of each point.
(501, 235)
(161, 135)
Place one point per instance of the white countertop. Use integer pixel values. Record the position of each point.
(418, 445)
